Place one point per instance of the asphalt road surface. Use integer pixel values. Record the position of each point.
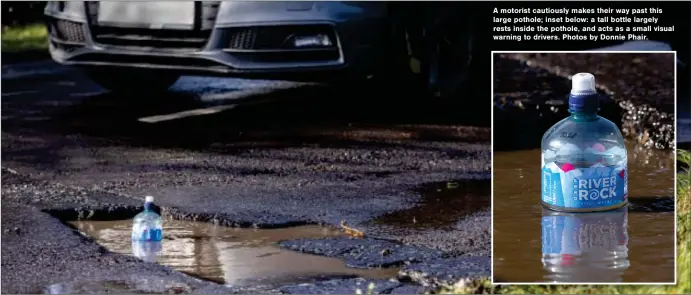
(247, 153)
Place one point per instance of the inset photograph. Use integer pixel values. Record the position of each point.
(583, 167)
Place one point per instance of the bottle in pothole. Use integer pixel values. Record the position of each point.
(147, 225)
(584, 165)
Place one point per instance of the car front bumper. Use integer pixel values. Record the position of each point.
(232, 45)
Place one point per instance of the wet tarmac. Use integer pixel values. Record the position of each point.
(231, 256)
(441, 206)
(452, 216)
(250, 154)
(635, 244)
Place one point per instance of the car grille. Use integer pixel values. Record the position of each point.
(68, 31)
(273, 37)
(136, 38)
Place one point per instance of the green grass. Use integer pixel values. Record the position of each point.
(24, 38)
(683, 285)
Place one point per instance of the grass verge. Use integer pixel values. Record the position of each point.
(683, 285)
(24, 38)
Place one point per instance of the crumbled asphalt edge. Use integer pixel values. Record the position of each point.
(469, 236)
(472, 236)
(424, 266)
(446, 272)
(430, 267)
(67, 202)
(645, 92)
(363, 253)
(232, 221)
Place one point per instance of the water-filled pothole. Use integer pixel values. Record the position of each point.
(232, 256)
(615, 246)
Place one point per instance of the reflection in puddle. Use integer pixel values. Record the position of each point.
(227, 255)
(585, 247)
(147, 250)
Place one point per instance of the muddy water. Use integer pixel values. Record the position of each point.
(442, 205)
(226, 255)
(635, 244)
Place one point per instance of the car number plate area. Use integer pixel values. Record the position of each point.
(150, 15)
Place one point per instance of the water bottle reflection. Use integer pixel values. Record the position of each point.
(146, 250)
(585, 247)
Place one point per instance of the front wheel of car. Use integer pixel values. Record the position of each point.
(132, 81)
(438, 44)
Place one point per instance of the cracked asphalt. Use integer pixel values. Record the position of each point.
(239, 152)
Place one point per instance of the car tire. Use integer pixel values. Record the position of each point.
(450, 53)
(415, 53)
(398, 76)
(132, 81)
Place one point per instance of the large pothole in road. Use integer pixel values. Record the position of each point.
(230, 256)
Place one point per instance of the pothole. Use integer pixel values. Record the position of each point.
(230, 256)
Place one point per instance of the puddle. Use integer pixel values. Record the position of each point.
(442, 205)
(232, 256)
(618, 246)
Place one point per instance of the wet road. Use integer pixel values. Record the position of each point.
(248, 153)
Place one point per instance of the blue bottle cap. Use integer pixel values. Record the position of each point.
(583, 97)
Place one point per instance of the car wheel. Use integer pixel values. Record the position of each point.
(448, 53)
(132, 81)
(398, 75)
(433, 45)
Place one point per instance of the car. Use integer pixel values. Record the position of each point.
(147, 45)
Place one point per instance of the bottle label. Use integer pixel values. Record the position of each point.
(142, 233)
(582, 188)
(152, 235)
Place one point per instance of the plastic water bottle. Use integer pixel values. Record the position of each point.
(147, 225)
(585, 247)
(584, 156)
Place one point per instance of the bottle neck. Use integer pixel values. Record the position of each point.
(148, 206)
(583, 116)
